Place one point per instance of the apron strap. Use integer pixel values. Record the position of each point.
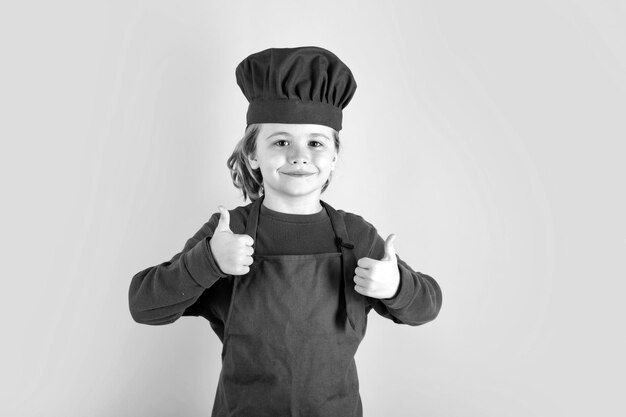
(253, 218)
(352, 298)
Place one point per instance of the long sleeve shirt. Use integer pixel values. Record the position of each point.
(192, 284)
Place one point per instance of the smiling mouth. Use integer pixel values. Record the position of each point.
(298, 175)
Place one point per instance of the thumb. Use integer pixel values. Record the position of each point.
(224, 223)
(390, 251)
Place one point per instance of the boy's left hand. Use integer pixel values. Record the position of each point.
(378, 279)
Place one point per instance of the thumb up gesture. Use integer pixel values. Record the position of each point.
(232, 252)
(378, 279)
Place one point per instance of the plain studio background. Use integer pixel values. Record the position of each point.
(488, 135)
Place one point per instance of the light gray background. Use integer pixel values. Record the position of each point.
(487, 135)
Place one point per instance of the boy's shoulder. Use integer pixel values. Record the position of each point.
(239, 217)
(357, 227)
(354, 219)
(361, 232)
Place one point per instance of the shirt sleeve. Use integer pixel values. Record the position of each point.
(418, 298)
(160, 294)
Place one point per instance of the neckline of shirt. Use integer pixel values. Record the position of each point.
(294, 218)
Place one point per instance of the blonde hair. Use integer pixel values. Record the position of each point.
(247, 179)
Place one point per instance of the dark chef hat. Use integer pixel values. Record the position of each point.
(308, 85)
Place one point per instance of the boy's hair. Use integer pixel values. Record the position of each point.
(248, 180)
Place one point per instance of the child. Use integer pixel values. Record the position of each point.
(287, 281)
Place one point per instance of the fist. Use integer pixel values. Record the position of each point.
(232, 252)
(378, 279)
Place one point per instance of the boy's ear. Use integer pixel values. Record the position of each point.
(253, 162)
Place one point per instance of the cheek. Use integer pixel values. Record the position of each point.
(271, 161)
(324, 160)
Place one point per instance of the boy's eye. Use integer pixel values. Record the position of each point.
(314, 143)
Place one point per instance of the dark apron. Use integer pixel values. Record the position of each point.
(293, 328)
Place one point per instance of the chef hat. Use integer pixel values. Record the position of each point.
(308, 85)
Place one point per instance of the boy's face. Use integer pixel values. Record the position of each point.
(295, 159)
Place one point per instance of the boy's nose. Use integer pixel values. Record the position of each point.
(298, 156)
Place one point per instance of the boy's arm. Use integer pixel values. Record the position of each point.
(160, 294)
(418, 298)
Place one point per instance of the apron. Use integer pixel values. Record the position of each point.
(293, 327)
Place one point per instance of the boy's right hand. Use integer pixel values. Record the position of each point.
(232, 252)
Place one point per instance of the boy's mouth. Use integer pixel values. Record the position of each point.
(297, 175)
